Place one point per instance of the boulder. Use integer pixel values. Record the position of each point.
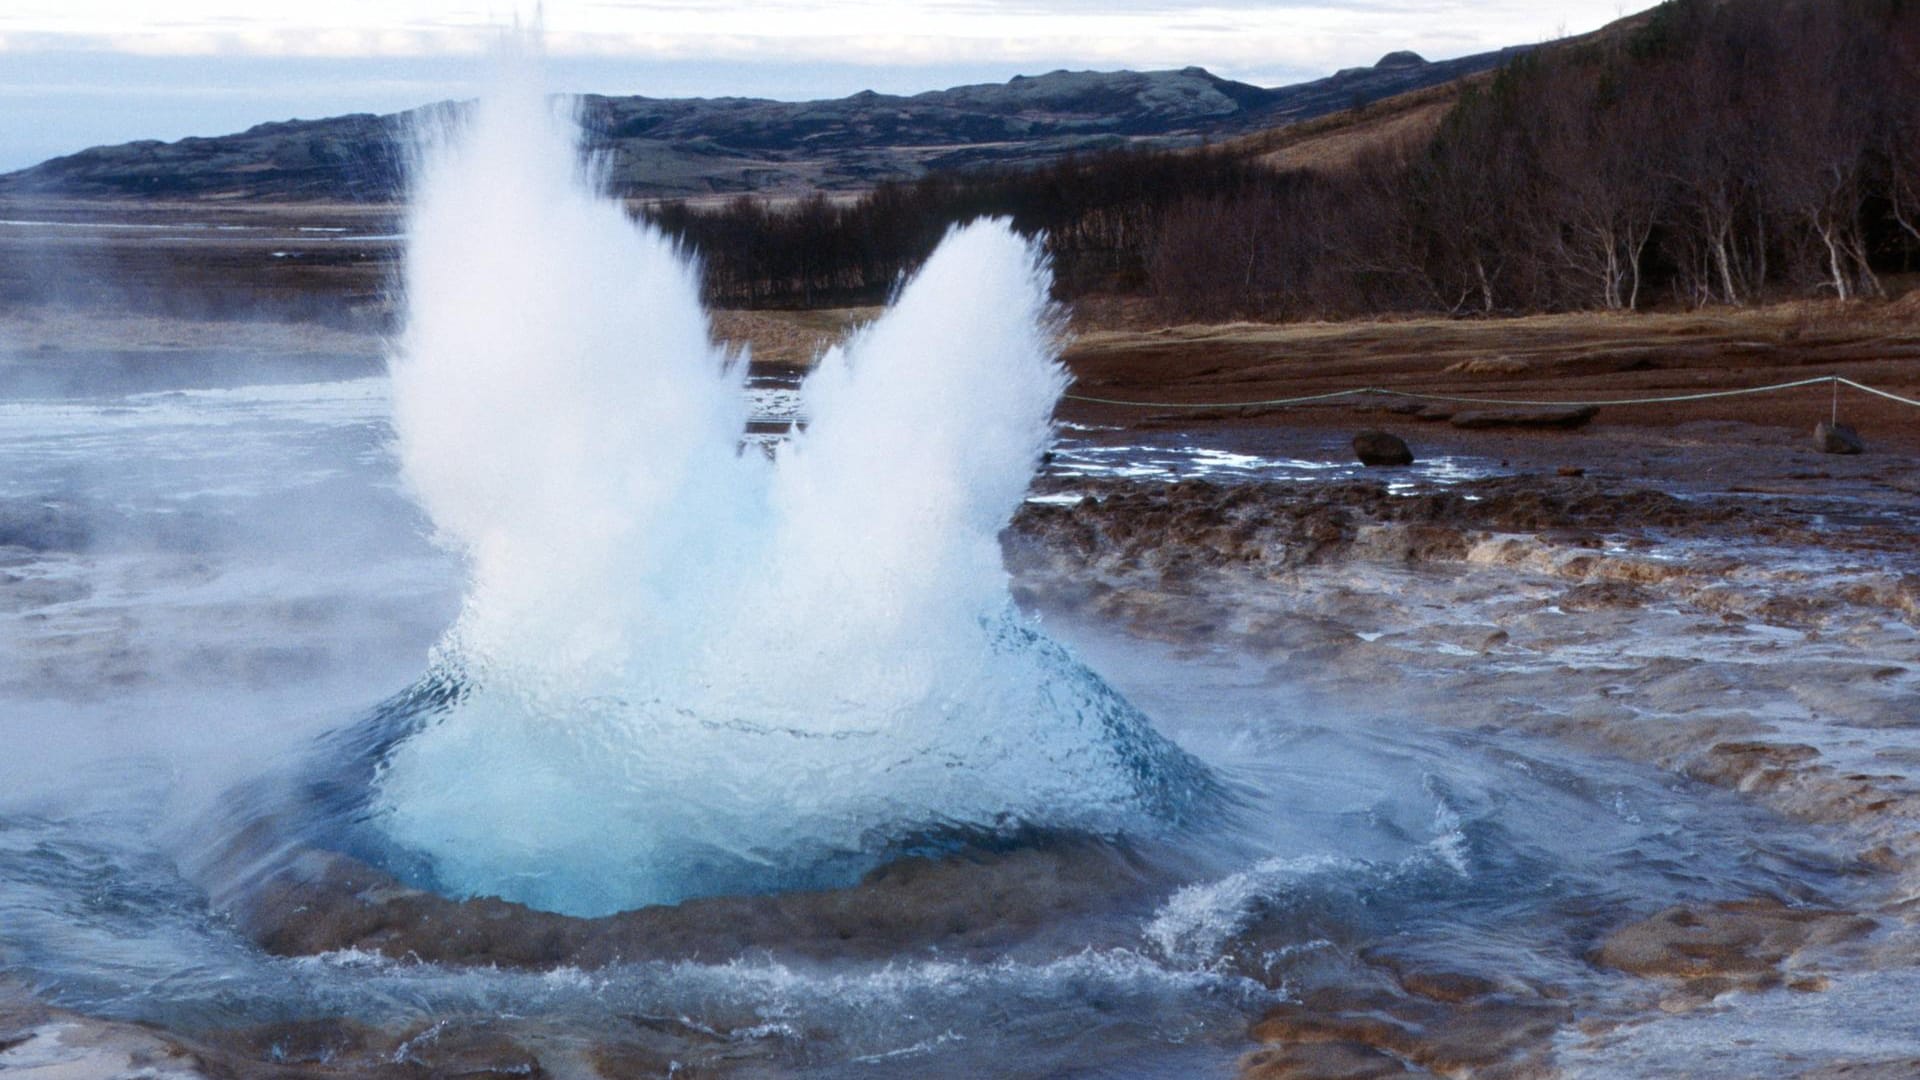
(1377, 449)
(1837, 439)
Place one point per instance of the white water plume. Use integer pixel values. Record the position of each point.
(685, 669)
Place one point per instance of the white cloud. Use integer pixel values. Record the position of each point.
(1228, 34)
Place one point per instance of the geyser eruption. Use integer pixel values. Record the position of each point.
(682, 669)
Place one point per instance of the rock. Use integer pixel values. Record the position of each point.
(1321, 1061)
(1751, 766)
(1121, 530)
(50, 1043)
(466, 1050)
(1792, 779)
(1448, 987)
(1408, 543)
(1716, 948)
(1571, 471)
(1377, 449)
(309, 1042)
(1837, 439)
(1568, 416)
(1465, 1037)
(1477, 639)
(1606, 596)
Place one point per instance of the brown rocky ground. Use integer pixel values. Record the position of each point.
(1550, 357)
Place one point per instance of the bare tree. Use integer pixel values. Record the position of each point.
(1816, 158)
(1608, 191)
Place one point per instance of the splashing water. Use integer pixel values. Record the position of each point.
(685, 670)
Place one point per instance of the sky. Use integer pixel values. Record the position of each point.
(79, 73)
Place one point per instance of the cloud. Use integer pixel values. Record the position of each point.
(1307, 34)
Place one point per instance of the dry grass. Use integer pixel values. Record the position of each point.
(1489, 365)
(1332, 142)
(47, 328)
(789, 338)
(1335, 150)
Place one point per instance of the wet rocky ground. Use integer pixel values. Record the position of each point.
(1764, 643)
(1767, 645)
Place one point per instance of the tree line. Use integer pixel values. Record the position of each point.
(1100, 215)
(1721, 152)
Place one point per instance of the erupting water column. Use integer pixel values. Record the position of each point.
(686, 670)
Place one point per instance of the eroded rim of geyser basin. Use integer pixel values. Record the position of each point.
(985, 902)
(305, 874)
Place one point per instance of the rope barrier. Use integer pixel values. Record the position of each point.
(1862, 386)
(1668, 399)
(1663, 400)
(1228, 405)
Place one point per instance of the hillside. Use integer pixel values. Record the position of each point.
(682, 147)
(1333, 141)
(1330, 143)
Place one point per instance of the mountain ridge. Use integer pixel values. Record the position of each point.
(679, 147)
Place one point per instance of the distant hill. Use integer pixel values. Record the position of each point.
(702, 146)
